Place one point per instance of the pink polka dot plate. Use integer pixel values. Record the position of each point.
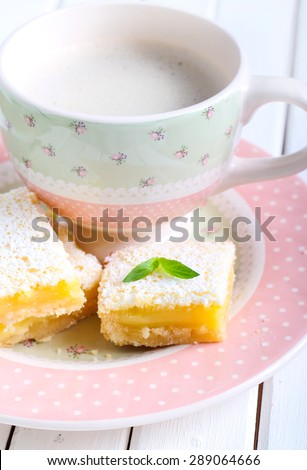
(77, 381)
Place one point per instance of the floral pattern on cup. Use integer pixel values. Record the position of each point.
(157, 135)
(181, 153)
(209, 112)
(229, 131)
(29, 120)
(204, 159)
(80, 170)
(119, 158)
(48, 150)
(27, 162)
(8, 125)
(146, 183)
(79, 127)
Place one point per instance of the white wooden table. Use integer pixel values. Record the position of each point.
(272, 415)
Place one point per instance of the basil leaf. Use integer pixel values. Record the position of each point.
(177, 269)
(142, 270)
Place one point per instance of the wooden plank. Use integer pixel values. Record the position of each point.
(283, 423)
(227, 425)
(297, 118)
(4, 435)
(26, 438)
(264, 29)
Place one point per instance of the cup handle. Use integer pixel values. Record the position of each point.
(263, 90)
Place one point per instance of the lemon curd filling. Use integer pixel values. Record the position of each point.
(40, 301)
(160, 310)
(192, 316)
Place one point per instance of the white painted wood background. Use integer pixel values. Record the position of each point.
(274, 36)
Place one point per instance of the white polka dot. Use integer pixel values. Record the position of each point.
(96, 385)
(187, 376)
(289, 259)
(275, 267)
(301, 303)
(17, 370)
(41, 393)
(288, 338)
(200, 350)
(112, 375)
(276, 297)
(116, 393)
(175, 390)
(195, 363)
(27, 382)
(61, 385)
(294, 289)
(200, 391)
(209, 377)
(289, 239)
(282, 310)
(285, 323)
(270, 286)
(289, 208)
(265, 344)
(301, 269)
(305, 316)
(217, 363)
(234, 376)
(276, 190)
(243, 333)
(34, 410)
(244, 347)
(173, 361)
(5, 387)
(276, 249)
(243, 320)
(221, 350)
(57, 403)
(265, 329)
(144, 369)
(294, 196)
(17, 399)
(240, 362)
(163, 373)
(264, 358)
(97, 403)
(77, 412)
(273, 203)
(80, 377)
(48, 375)
(286, 278)
(78, 395)
(130, 381)
(161, 402)
(137, 398)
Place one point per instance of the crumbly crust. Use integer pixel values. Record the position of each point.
(211, 260)
(214, 262)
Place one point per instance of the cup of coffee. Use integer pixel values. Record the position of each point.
(132, 111)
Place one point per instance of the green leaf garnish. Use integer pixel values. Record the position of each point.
(177, 269)
(142, 270)
(170, 266)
